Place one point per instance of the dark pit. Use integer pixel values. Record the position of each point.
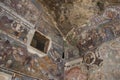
(40, 42)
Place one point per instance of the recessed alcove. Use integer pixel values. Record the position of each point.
(40, 42)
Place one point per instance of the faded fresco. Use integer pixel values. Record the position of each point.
(59, 39)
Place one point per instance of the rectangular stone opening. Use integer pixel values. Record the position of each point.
(40, 42)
